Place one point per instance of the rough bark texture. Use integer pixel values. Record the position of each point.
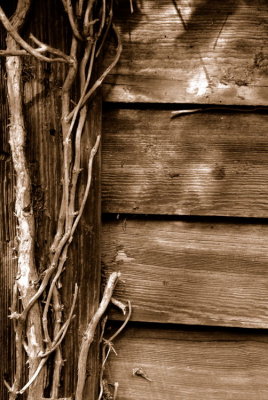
(27, 276)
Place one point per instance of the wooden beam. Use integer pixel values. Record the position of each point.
(198, 52)
(196, 273)
(189, 364)
(208, 163)
(42, 91)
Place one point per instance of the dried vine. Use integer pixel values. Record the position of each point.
(90, 22)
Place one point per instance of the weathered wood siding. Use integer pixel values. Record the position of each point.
(200, 51)
(202, 273)
(208, 163)
(185, 199)
(190, 364)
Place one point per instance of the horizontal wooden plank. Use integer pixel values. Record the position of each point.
(208, 163)
(189, 365)
(190, 272)
(203, 51)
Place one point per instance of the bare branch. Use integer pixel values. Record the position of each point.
(103, 76)
(109, 23)
(116, 386)
(80, 7)
(58, 361)
(33, 377)
(108, 346)
(50, 293)
(18, 18)
(90, 332)
(87, 18)
(62, 332)
(102, 20)
(73, 22)
(46, 48)
(78, 106)
(5, 53)
(27, 273)
(131, 6)
(78, 134)
(58, 340)
(13, 32)
(9, 388)
(123, 325)
(119, 304)
(89, 178)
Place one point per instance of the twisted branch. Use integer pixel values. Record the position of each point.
(34, 52)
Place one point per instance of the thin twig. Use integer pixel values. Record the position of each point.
(105, 357)
(81, 123)
(108, 26)
(50, 293)
(99, 81)
(67, 145)
(73, 22)
(80, 7)
(62, 332)
(58, 340)
(5, 53)
(87, 18)
(131, 6)
(102, 20)
(58, 360)
(76, 110)
(217, 108)
(89, 179)
(33, 377)
(9, 388)
(119, 304)
(69, 234)
(108, 346)
(90, 332)
(103, 326)
(123, 325)
(116, 386)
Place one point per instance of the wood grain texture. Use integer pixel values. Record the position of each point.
(190, 365)
(190, 272)
(209, 163)
(203, 51)
(42, 96)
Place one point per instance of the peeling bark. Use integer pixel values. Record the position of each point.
(27, 276)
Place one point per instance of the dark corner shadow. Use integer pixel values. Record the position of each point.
(125, 18)
(208, 19)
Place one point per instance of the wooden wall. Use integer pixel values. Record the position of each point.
(184, 199)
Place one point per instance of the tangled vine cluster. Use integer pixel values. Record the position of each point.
(36, 298)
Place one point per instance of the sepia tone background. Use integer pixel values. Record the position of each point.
(184, 199)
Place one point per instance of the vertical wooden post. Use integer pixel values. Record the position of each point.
(42, 91)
